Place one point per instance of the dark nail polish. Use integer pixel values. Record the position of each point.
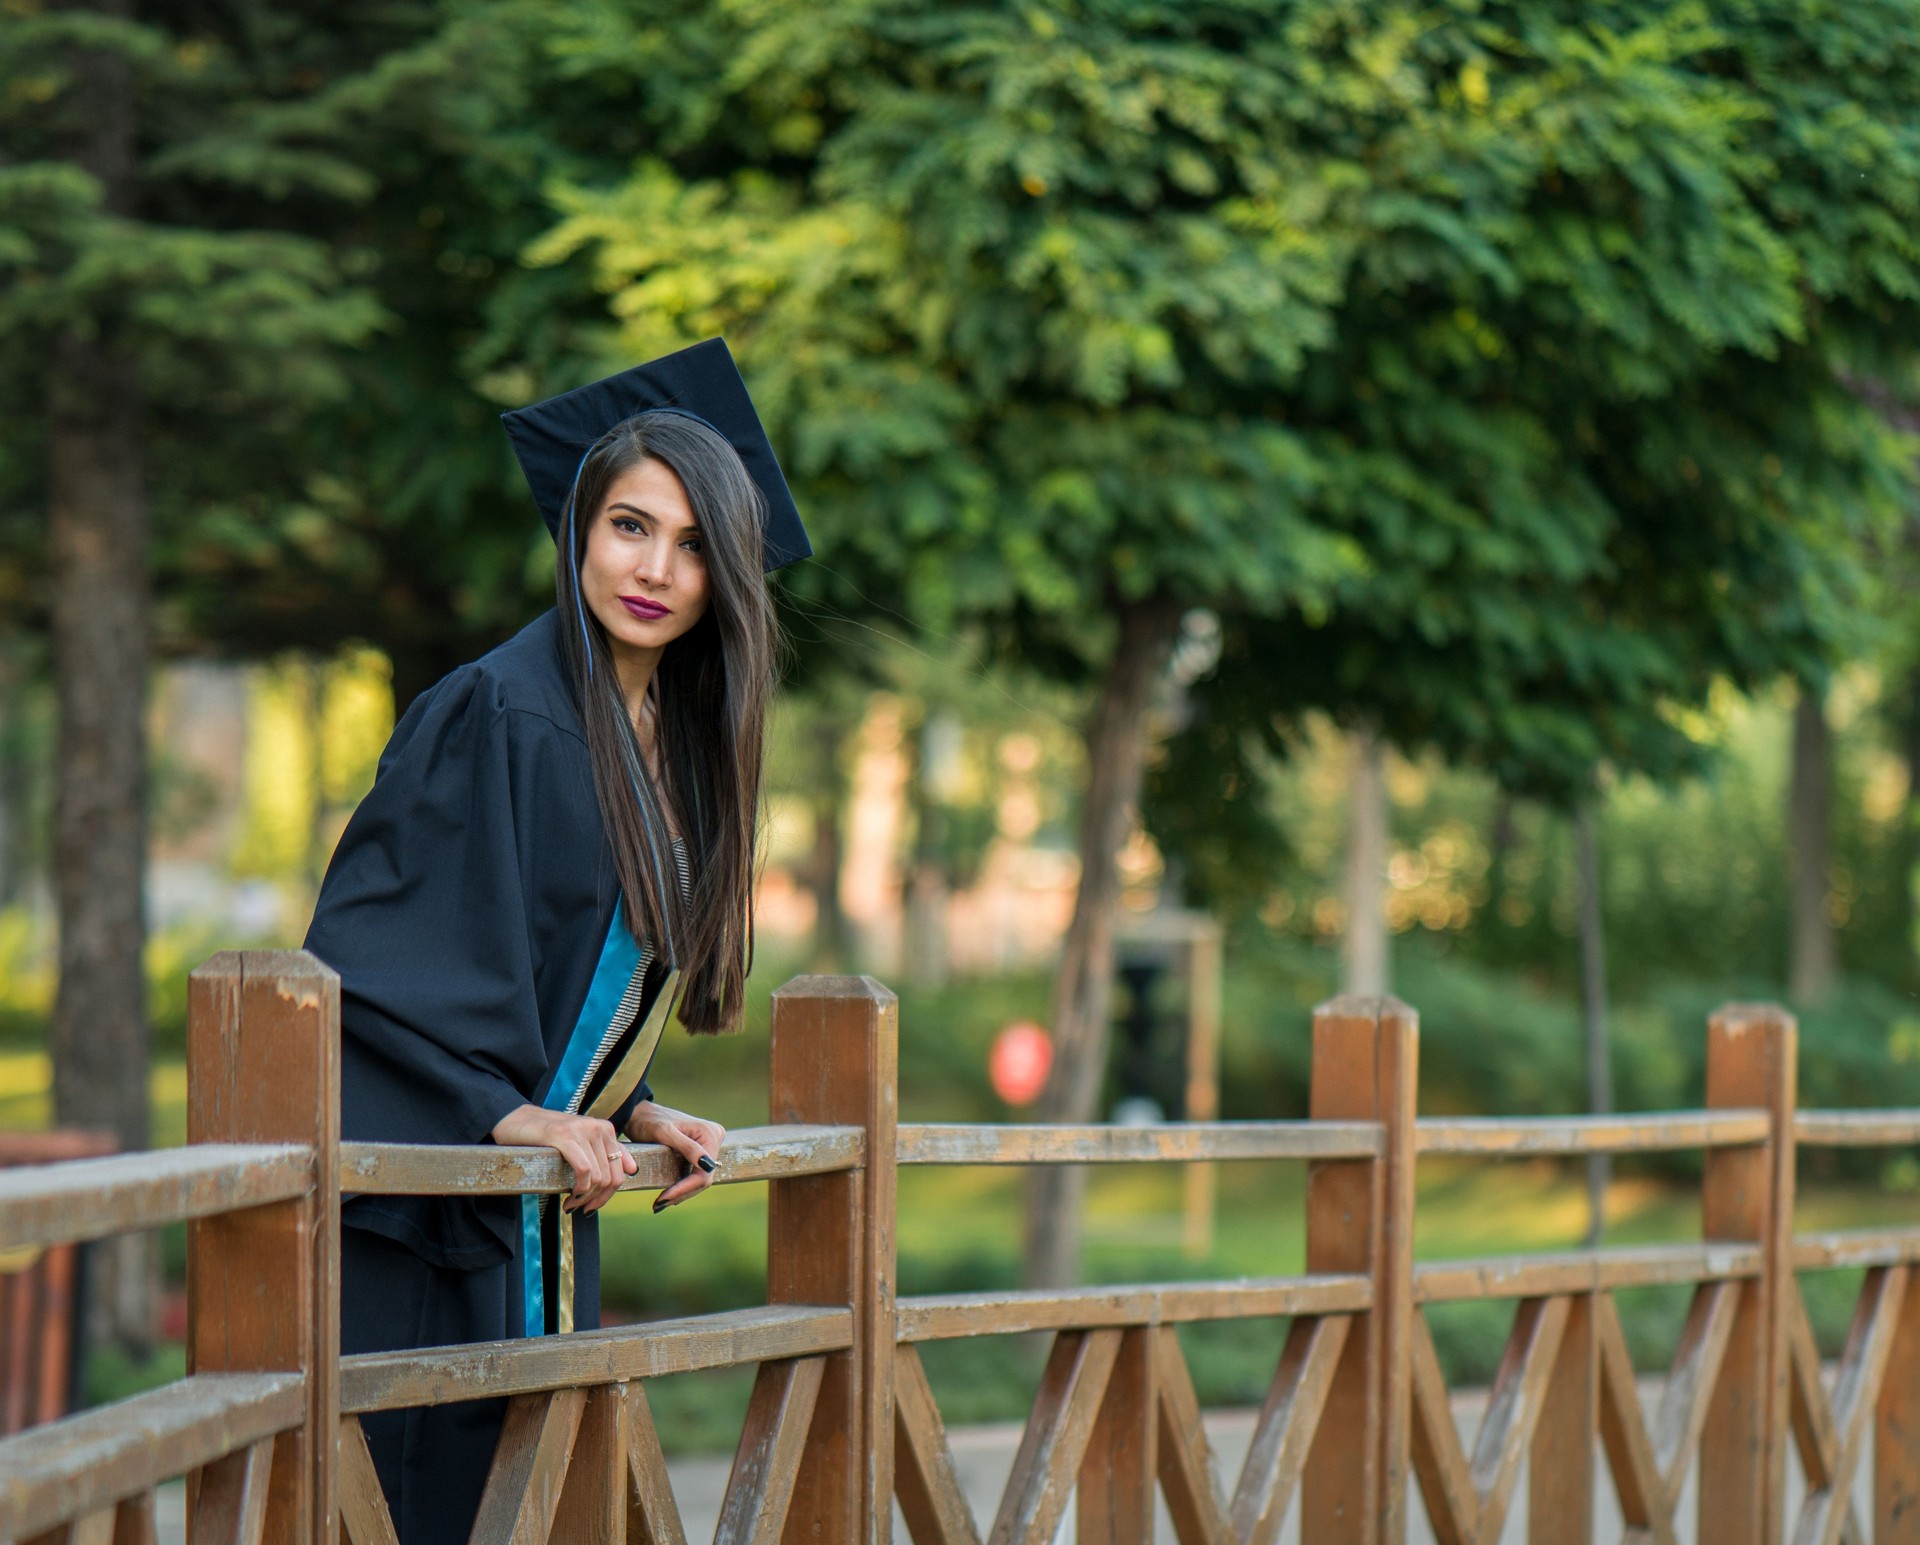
(707, 1164)
(660, 1202)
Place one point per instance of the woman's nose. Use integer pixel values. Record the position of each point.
(655, 564)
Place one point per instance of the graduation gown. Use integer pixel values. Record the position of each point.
(472, 911)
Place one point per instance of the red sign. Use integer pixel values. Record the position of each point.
(1018, 1064)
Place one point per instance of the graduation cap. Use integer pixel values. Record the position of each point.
(552, 438)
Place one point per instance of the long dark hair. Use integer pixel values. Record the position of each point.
(710, 694)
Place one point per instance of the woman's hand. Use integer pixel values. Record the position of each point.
(695, 1140)
(587, 1143)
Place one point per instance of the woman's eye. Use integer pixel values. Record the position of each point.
(626, 524)
(693, 545)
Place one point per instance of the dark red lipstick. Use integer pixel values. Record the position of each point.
(645, 610)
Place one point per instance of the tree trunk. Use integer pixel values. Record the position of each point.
(1593, 1005)
(832, 947)
(1116, 739)
(16, 771)
(927, 889)
(1363, 954)
(98, 541)
(1810, 970)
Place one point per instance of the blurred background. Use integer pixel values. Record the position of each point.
(1308, 497)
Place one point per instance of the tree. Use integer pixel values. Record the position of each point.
(155, 294)
(1014, 289)
(1488, 378)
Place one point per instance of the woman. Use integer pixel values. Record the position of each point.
(557, 850)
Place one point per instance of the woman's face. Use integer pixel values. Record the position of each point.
(644, 574)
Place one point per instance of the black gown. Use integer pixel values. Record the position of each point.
(472, 912)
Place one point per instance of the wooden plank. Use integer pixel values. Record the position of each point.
(1813, 1433)
(1439, 1462)
(931, 1501)
(83, 1463)
(1163, 1142)
(1008, 1311)
(364, 1517)
(385, 1381)
(1856, 1247)
(1557, 1273)
(1697, 1360)
(1285, 1431)
(94, 1529)
(134, 1522)
(653, 1516)
(263, 1288)
(766, 1465)
(1366, 1060)
(1747, 1195)
(1187, 1480)
(593, 1497)
(1118, 1471)
(834, 1058)
(229, 1506)
(1645, 1501)
(1857, 1128)
(1824, 1510)
(1560, 1469)
(1534, 1136)
(56, 1204)
(428, 1169)
(1896, 1433)
(1056, 1436)
(522, 1493)
(1514, 1407)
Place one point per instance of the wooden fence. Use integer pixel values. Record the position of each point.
(842, 1419)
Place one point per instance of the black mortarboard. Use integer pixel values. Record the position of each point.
(552, 438)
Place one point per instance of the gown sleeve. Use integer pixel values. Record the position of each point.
(425, 914)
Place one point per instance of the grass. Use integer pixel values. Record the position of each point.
(960, 1229)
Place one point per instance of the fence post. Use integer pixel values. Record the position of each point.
(830, 1240)
(1747, 1194)
(263, 1285)
(1366, 1067)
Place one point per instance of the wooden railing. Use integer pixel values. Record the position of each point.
(842, 1419)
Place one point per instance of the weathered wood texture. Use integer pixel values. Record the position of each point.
(1119, 1470)
(38, 1288)
(1288, 1422)
(522, 1493)
(931, 1501)
(1056, 1437)
(1492, 1137)
(1896, 1432)
(1162, 1143)
(943, 1317)
(653, 1514)
(1581, 1271)
(384, 1381)
(87, 1462)
(834, 1059)
(766, 1465)
(263, 1289)
(1747, 1194)
(58, 1204)
(1187, 1478)
(1857, 1248)
(1366, 1062)
(1856, 1128)
(424, 1169)
(1560, 1467)
(362, 1506)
